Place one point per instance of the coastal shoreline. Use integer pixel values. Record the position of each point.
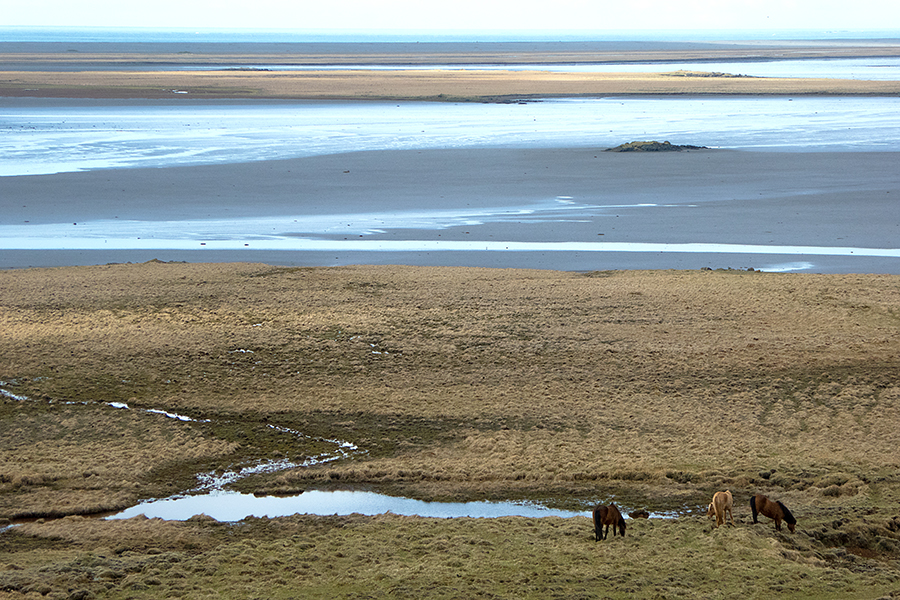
(185, 71)
(150, 72)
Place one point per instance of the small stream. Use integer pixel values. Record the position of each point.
(210, 498)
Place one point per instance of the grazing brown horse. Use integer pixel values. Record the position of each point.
(607, 515)
(722, 502)
(759, 504)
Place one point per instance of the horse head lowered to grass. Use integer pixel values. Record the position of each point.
(607, 515)
(773, 509)
(722, 503)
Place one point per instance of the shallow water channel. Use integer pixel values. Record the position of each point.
(210, 498)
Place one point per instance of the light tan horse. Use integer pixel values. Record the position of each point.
(721, 504)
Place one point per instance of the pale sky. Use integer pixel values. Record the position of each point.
(488, 15)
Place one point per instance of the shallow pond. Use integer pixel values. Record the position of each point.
(234, 506)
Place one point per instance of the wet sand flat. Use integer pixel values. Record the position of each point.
(710, 196)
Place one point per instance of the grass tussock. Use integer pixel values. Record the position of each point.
(651, 388)
(406, 557)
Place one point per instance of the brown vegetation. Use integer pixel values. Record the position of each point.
(653, 388)
(691, 378)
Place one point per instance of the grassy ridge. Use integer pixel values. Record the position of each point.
(406, 557)
(652, 388)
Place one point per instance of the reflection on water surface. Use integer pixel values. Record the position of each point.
(232, 506)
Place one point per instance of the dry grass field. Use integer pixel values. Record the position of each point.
(653, 389)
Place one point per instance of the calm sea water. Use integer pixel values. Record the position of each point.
(133, 35)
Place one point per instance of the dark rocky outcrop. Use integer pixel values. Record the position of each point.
(653, 147)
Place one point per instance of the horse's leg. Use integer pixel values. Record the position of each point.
(731, 514)
(777, 524)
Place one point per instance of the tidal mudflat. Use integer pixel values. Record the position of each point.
(516, 177)
(568, 209)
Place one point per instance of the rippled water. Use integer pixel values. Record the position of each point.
(52, 136)
(39, 137)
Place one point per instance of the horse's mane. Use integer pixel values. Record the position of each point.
(787, 514)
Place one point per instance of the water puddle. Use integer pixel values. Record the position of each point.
(234, 506)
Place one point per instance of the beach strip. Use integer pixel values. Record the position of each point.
(446, 85)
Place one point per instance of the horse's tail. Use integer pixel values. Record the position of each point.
(753, 508)
(788, 517)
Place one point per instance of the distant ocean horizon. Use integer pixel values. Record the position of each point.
(286, 36)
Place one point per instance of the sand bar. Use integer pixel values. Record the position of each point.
(152, 70)
(448, 85)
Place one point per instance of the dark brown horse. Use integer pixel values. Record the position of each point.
(607, 515)
(759, 504)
